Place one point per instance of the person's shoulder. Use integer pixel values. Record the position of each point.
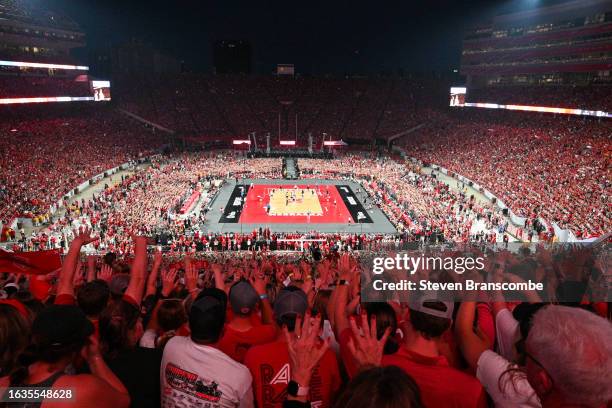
(177, 342)
(264, 330)
(261, 351)
(231, 367)
(89, 388)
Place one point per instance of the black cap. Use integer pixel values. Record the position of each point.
(243, 298)
(207, 315)
(290, 301)
(60, 326)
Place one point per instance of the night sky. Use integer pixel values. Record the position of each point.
(334, 36)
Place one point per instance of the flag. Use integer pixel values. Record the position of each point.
(33, 263)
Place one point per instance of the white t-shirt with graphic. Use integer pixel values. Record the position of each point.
(194, 375)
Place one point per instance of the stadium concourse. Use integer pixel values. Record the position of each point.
(157, 288)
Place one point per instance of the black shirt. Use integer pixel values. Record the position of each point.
(138, 370)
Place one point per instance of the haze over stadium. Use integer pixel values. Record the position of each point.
(193, 196)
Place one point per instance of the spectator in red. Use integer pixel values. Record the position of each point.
(420, 357)
(269, 363)
(246, 329)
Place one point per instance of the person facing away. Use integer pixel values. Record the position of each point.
(194, 372)
(270, 366)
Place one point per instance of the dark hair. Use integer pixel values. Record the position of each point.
(381, 387)
(14, 336)
(211, 326)
(93, 297)
(429, 326)
(288, 321)
(385, 317)
(40, 350)
(116, 322)
(171, 314)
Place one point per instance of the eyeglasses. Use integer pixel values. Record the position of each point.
(532, 358)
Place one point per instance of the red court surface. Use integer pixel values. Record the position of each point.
(254, 211)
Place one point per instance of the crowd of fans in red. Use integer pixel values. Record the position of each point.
(149, 201)
(46, 154)
(553, 167)
(540, 166)
(253, 329)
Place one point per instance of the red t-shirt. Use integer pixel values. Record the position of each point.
(440, 384)
(269, 366)
(236, 343)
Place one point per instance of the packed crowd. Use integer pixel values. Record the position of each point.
(267, 331)
(148, 201)
(235, 106)
(416, 203)
(557, 168)
(45, 157)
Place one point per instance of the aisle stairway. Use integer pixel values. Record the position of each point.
(290, 169)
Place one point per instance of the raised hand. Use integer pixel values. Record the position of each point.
(78, 276)
(345, 266)
(191, 277)
(305, 268)
(92, 349)
(168, 281)
(365, 347)
(304, 349)
(106, 273)
(157, 257)
(83, 235)
(259, 282)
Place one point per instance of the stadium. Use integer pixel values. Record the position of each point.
(201, 216)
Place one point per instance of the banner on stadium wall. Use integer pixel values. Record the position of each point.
(83, 186)
(21, 64)
(13, 101)
(541, 109)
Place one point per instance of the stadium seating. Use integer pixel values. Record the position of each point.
(235, 106)
(549, 166)
(47, 154)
